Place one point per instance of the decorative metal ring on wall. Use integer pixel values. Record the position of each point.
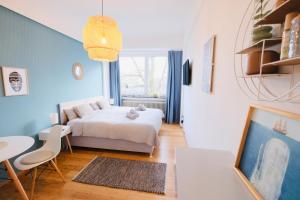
(77, 71)
(262, 87)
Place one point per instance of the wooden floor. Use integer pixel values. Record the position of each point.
(50, 186)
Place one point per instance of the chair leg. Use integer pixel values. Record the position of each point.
(15, 179)
(33, 182)
(57, 170)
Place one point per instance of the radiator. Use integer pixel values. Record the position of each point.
(149, 103)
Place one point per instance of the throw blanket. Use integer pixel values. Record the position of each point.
(112, 123)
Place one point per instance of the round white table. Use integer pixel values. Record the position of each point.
(9, 148)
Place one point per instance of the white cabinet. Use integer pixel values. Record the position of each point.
(208, 175)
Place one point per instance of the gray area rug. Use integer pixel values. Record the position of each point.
(125, 174)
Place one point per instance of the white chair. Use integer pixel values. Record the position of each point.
(47, 153)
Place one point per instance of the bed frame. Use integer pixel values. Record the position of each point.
(100, 143)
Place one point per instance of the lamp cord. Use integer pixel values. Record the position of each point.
(102, 8)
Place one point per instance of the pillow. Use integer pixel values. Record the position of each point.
(95, 106)
(71, 114)
(99, 104)
(103, 104)
(83, 110)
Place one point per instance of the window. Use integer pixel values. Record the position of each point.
(144, 76)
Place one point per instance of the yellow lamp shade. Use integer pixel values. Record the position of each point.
(102, 38)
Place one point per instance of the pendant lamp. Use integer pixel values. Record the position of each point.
(102, 38)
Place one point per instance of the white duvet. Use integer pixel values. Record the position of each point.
(112, 123)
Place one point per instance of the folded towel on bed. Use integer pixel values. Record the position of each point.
(140, 107)
(132, 111)
(132, 114)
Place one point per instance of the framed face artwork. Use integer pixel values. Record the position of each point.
(268, 160)
(15, 81)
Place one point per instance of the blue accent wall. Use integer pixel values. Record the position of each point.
(48, 55)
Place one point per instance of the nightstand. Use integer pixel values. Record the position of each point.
(66, 130)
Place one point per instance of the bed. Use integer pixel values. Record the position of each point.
(109, 128)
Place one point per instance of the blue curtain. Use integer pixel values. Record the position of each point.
(173, 99)
(114, 82)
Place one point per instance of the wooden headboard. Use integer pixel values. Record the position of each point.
(70, 104)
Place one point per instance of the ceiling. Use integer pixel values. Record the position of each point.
(144, 24)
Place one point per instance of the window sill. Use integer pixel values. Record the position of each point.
(152, 99)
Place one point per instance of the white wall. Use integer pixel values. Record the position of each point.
(144, 24)
(217, 120)
(153, 42)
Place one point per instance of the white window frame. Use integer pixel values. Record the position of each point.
(147, 54)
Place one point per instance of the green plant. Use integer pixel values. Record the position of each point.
(261, 32)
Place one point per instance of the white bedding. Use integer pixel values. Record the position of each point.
(112, 123)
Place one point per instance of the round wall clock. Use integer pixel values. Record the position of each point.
(77, 71)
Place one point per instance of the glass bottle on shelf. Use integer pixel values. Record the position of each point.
(294, 48)
(286, 35)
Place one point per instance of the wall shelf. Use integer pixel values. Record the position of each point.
(259, 45)
(265, 75)
(260, 86)
(287, 62)
(277, 16)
